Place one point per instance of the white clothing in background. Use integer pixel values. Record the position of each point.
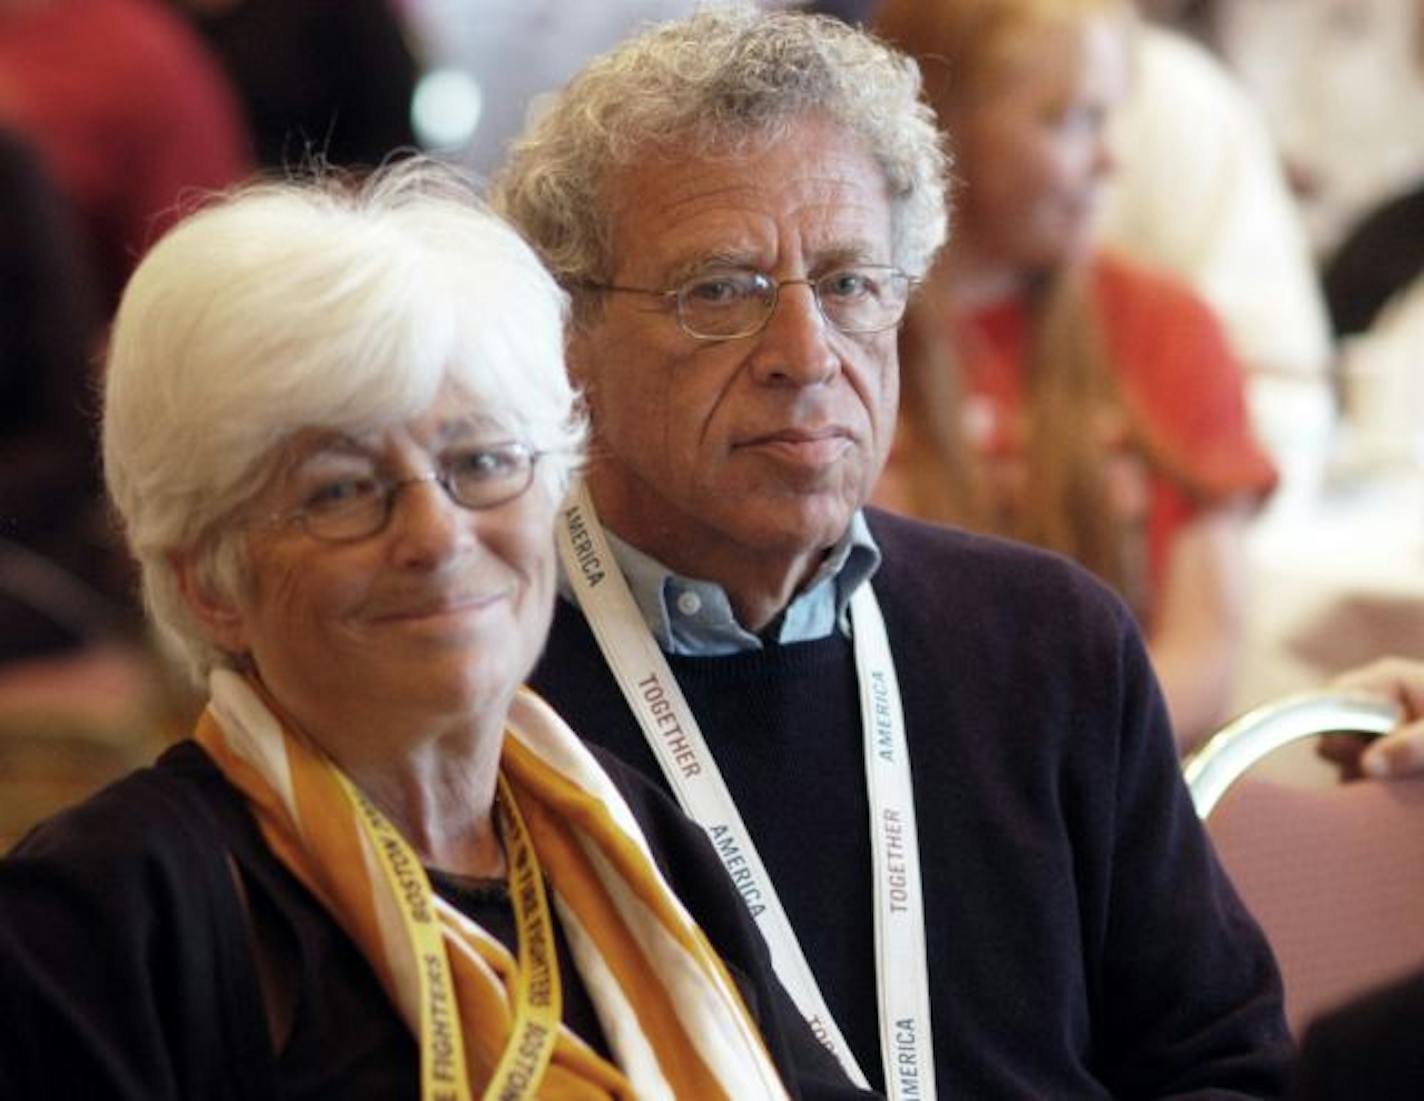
(1341, 83)
(1199, 191)
(1383, 374)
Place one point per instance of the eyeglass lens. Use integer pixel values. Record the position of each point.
(739, 303)
(480, 478)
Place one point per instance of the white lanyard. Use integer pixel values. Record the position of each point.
(648, 685)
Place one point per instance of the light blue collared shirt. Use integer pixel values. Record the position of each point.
(693, 617)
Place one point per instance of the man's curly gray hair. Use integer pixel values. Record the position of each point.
(722, 81)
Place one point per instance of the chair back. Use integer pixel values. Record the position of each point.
(1335, 874)
(70, 724)
(1239, 745)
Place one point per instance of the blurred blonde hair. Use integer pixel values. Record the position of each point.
(962, 47)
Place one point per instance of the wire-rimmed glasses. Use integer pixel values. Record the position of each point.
(345, 509)
(728, 303)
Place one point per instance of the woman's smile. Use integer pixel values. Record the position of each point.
(444, 608)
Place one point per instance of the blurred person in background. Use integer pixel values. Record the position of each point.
(61, 584)
(337, 427)
(129, 112)
(316, 78)
(1057, 393)
(1341, 84)
(1198, 190)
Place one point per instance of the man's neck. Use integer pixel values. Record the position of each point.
(758, 585)
(759, 601)
(759, 582)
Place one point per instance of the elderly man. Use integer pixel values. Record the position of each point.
(936, 765)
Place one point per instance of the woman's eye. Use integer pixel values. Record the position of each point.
(486, 463)
(341, 492)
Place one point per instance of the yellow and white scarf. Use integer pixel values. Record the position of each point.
(488, 1023)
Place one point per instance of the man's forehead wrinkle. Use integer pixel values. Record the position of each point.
(828, 225)
(694, 192)
(828, 190)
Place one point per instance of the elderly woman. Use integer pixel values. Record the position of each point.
(337, 428)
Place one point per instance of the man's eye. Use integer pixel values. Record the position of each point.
(341, 493)
(723, 289)
(848, 284)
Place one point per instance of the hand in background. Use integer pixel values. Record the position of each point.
(1399, 753)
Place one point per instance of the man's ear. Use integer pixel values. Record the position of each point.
(580, 352)
(216, 612)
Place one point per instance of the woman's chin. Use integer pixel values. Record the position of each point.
(462, 686)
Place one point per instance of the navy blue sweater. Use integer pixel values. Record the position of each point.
(1083, 941)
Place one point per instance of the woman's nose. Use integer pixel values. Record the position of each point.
(426, 524)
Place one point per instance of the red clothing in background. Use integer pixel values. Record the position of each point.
(1176, 375)
(128, 111)
(1181, 387)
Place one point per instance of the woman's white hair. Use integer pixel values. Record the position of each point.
(327, 304)
(728, 79)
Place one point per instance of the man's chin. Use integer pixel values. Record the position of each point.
(793, 522)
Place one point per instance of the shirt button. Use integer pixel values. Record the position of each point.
(689, 603)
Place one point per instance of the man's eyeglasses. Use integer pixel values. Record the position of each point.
(346, 509)
(727, 303)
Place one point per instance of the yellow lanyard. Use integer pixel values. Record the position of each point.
(538, 998)
(537, 995)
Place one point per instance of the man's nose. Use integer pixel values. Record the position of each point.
(796, 346)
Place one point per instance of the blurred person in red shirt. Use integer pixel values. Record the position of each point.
(128, 112)
(1056, 393)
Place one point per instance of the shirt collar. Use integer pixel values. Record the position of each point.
(694, 617)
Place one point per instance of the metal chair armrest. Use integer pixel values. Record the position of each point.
(1244, 741)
